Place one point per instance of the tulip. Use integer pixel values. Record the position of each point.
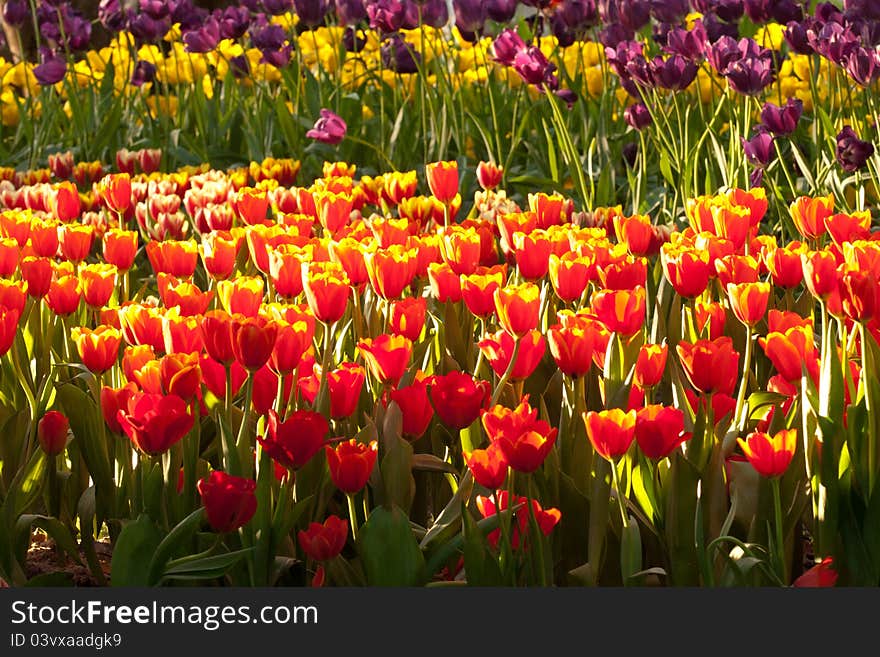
(489, 175)
(344, 385)
(76, 242)
(445, 283)
(532, 253)
(114, 399)
(749, 301)
(524, 440)
(351, 464)
(686, 269)
(659, 430)
(322, 542)
(8, 328)
(460, 249)
(546, 519)
(809, 215)
(498, 348)
(181, 375)
(115, 192)
(569, 275)
(573, 347)
(98, 349)
(98, 282)
(230, 501)
(176, 257)
(517, 307)
(851, 152)
(37, 273)
(120, 248)
(611, 432)
(415, 406)
(488, 466)
(650, 364)
(327, 289)
(785, 266)
(391, 270)
(790, 351)
(52, 432)
(621, 311)
(458, 398)
(770, 455)
(292, 341)
(219, 251)
(294, 441)
(386, 356)
(253, 339)
(330, 128)
(217, 330)
(242, 296)
(155, 422)
(820, 273)
(478, 290)
(443, 180)
(711, 366)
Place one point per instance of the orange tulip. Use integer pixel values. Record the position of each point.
(76, 241)
(182, 334)
(489, 176)
(178, 258)
(611, 432)
(334, 210)
(498, 349)
(181, 375)
(736, 269)
(98, 349)
(749, 301)
(460, 249)
(349, 253)
(770, 455)
(65, 202)
(488, 466)
(517, 307)
(292, 341)
(785, 266)
(115, 192)
(791, 350)
(532, 253)
(809, 215)
(443, 180)
(327, 289)
(219, 251)
(44, 238)
(650, 364)
(478, 289)
(242, 296)
(686, 269)
(849, 227)
(569, 275)
(710, 365)
(820, 273)
(445, 283)
(8, 328)
(408, 317)
(13, 294)
(252, 341)
(573, 347)
(622, 311)
(64, 295)
(659, 430)
(636, 232)
(98, 283)
(250, 205)
(386, 356)
(391, 270)
(710, 318)
(859, 294)
(120, 248)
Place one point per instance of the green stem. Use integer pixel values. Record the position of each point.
(739, 414)
(619, 495)
(538, 537)
(352, 515)
(507, 373)
(779, 551)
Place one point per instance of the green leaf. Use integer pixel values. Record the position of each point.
(666, 168)
(630, 552)
(133, 552)
(400, 486)
(210, 567)
(173, 542)
(480, 565)
(389, 551)
(447, 522)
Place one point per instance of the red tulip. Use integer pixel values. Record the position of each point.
(386, 356)
(351, 464)
(659, 430)
(252, 341)
(294, 441)
(611, 432)
(415, 407)
(458, 398)
(770, 455)
(443, 180)
(488, 466)
(8, 328)
(517, 307)
(98, 349)
(710, 365)
(323, 542)
(52, 432)
(622, 311)
(155, 422)
(650, 364)
(230, 501)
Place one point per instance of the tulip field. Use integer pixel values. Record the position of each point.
(317, 293)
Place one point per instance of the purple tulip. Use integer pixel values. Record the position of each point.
(143, 73)
(312, 13)
(827, 12)
(278, 7)
(674, 73)
(637, 116)
(533, 67)
(399, 56)
(386, 15)
(204, 39)
(749, 75)
(16, 12)
(329, 129)
(501, 11)
(268, 36)
(277, 58)
(111, 15)
(470, 15)
(577, 15)
(852, 153)
(147, 29)
(352, 41)
(726, 10)
(634, 14)
(863, 66)
(234, 22)
(867, 9)
(51, 70)
(722, 53)
(669, 11)
(435, 13)
(690, 44)
(155, 9)
(630, 152)
(240, 66)
(796, 38)
(715, 29)
(613, 34)
(782, 120)
(759, 149)
(350, 12)
(506, 46)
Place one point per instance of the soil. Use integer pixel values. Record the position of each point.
(44, 557)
